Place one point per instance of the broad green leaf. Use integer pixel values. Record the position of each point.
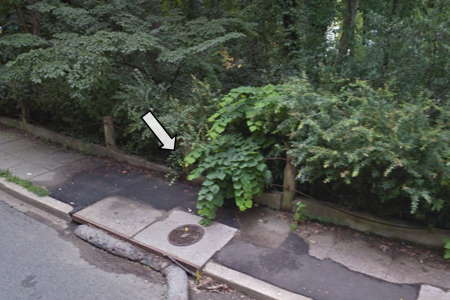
(215, 188)
(237, 185)
(189, 159)
(208, 182)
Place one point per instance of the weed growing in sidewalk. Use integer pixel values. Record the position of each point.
(299, 216)
(300, 212)
(37, 190)
(293, 227)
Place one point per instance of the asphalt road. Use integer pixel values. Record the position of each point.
(36, 262)
(41, 258)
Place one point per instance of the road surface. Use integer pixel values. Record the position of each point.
(41, 258)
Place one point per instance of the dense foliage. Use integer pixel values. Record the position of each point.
(385, 155)
(232, 156)
(357, 91)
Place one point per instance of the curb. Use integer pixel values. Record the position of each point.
(249, 285)
(177, 281)
(48, 204)
(363, 221)
(391, 228)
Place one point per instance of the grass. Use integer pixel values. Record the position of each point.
(37, 190)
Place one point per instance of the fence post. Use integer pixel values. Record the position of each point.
(108, 127)
(290, 184)
(186, 169)
(25, 115)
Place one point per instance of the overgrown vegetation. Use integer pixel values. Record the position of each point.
(383, 154)
(357, 91)
(233, 156)
(446, 248)
(37, 190)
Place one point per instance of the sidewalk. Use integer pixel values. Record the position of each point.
(253, 251)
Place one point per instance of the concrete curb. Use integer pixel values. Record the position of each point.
(48, 204)
(177, 282)
(248, 285)
(391, 228)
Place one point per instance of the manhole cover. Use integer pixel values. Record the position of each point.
(186, 235)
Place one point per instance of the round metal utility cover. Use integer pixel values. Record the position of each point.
(186, 235)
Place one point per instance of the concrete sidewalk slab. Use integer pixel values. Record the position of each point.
(57, 159)
(122, 216)
(36, 152)
(3, 154)
(27, 170)
(156, 237)
(62, 174)
(322, 245)
(428, 292)
(17, 146)
(410, 270)
(10, 161)
(358, 256)
(6, 137)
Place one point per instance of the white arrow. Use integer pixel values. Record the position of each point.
(162, 135)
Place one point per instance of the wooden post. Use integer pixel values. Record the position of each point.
(108, 127)
(25, 115)
(290, 184)
(186, 169)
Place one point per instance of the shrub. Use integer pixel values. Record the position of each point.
(232, 158)
(234, 170)
(370, 144)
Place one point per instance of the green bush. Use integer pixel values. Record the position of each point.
(234, 170)
(368, 146)
(372, 148)
(232, 158)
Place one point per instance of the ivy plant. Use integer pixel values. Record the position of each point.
(232, 158)
(234, 170)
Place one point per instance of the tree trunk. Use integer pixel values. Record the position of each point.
(387, 49)
(34, 14)
(345, 43)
